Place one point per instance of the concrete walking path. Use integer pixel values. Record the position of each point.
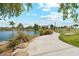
(50, 45)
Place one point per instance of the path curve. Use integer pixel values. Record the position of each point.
(50, 45)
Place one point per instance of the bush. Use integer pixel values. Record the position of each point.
(1, 50)
(20, 38)
(41, 32)
(45, 32)
(13, 43)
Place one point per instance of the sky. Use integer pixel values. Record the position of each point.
(41, 14)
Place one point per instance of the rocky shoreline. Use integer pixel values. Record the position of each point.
(18, 50)
(3, 42)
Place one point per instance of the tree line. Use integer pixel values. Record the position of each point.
(35, 27)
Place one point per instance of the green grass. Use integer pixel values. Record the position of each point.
(71, 39)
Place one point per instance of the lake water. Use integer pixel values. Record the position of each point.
(5, 35)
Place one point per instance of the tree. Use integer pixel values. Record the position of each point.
(51, 26)
(29, 28)
(13, 9)
(45, 27)
(20, 26)
(69, 10)
(12, 24)
(36, 27)
(75, 25)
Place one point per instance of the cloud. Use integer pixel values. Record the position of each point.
(52, 16)
(29, 14)
(47, 6)
(34, 15)
(4, 22)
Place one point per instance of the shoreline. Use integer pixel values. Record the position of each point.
(3, 42)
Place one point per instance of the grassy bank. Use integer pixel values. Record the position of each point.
(13, 42)
(70, 39)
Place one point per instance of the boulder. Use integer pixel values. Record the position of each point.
(21, 46)
(20, 52)
(3, 42)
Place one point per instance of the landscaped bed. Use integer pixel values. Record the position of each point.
(70, 39)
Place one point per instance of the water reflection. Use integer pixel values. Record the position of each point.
(5, 35)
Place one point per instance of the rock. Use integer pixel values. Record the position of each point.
(21, 46)
(3, 42)
(20, 52)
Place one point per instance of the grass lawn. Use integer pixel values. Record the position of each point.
(70, 39)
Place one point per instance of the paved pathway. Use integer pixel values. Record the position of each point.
(50, 45)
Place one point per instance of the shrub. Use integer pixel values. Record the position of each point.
(13, 43)
(41, 31)
(20, 38)
(1, 50)
(45, 32)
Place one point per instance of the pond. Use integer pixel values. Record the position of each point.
(5, 35)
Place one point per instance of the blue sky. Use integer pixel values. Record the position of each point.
(41, 14)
